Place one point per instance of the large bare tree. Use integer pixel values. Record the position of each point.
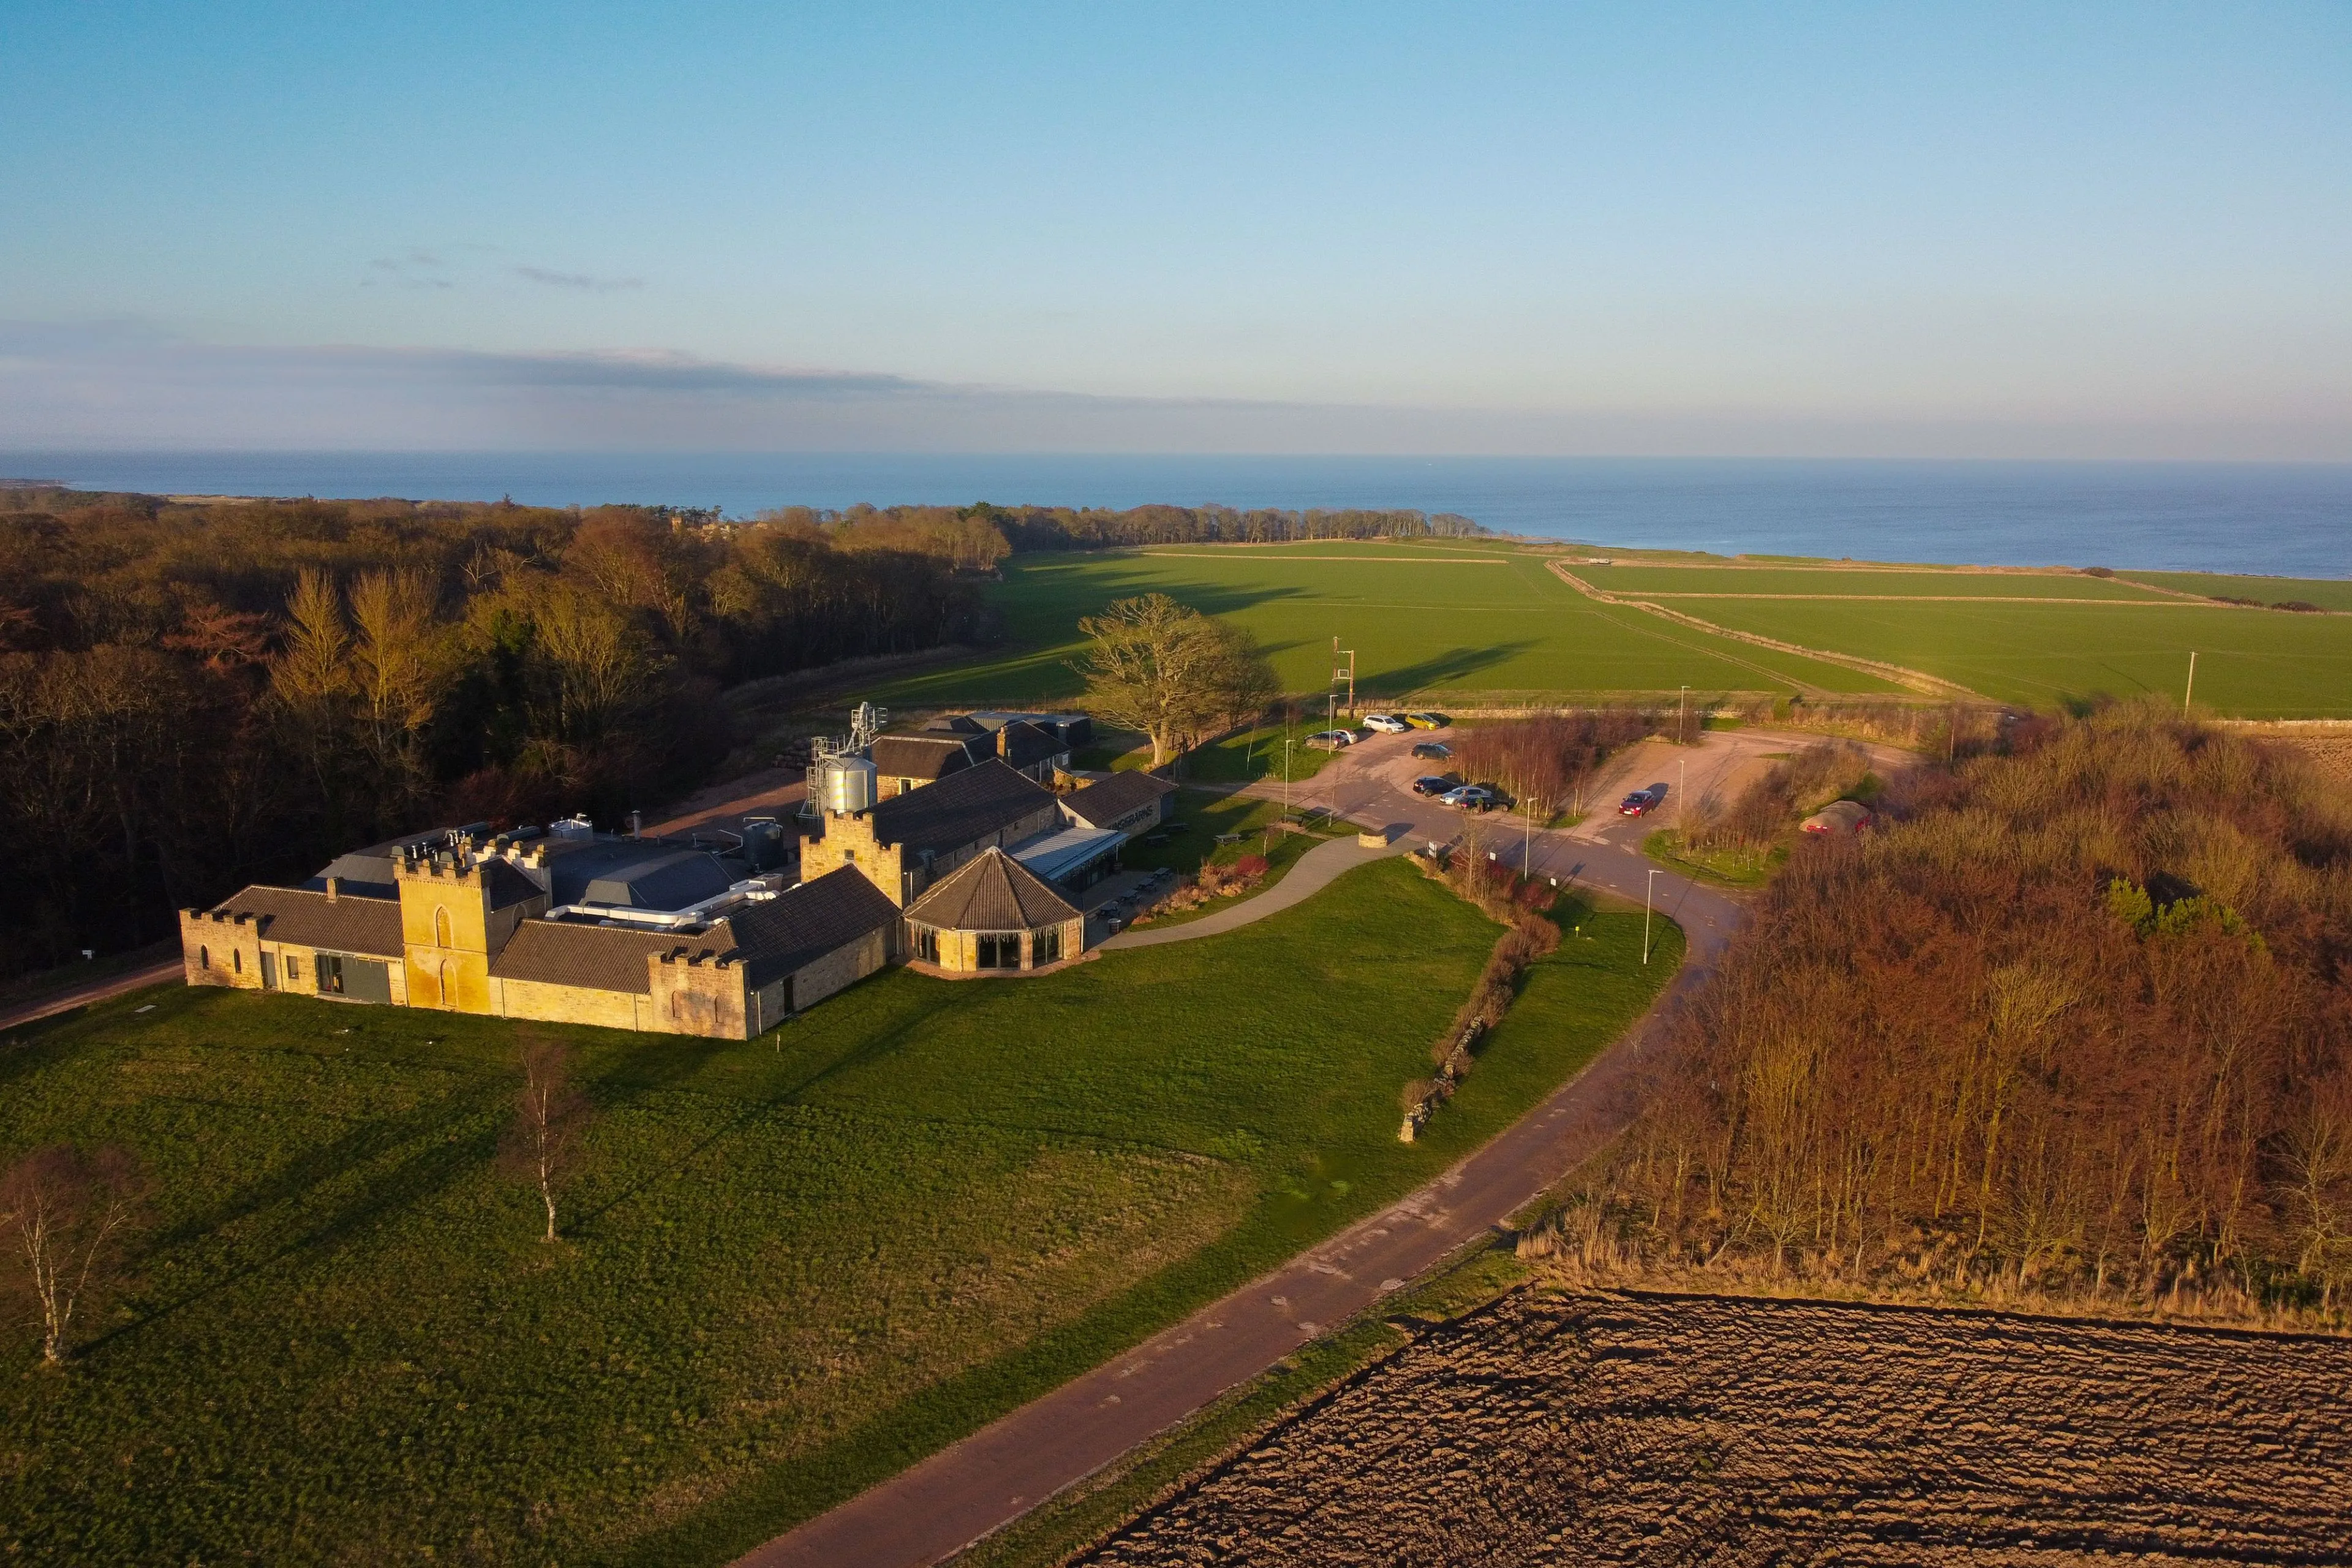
(68, 1213)
(1170, 672)
(543, 1143)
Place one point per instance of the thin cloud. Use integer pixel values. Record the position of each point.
(414, 269)
(124, 384)
(579, 280)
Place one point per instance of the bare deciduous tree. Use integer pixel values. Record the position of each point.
(1172, 673)
(542, 1143)
(68, 1213)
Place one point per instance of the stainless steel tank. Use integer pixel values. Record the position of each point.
(849, 786)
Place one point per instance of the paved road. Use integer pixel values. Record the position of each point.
(96, 991)
(965, 1493)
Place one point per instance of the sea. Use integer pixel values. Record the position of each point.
(2278, 520)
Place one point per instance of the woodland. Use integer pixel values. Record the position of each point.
(2072, 1024)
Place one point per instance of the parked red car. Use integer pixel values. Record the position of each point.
(1642, 801)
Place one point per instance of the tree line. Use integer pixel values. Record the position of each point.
(980, 535)
(2074, 1022)
(193, 696)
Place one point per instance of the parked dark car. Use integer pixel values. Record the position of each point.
(1435, 784)
(1642, 801)
(1434, 751)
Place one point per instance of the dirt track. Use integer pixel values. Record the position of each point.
(1656, 1429)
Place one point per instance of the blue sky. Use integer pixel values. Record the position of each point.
(1889, 229)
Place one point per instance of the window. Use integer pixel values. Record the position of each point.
(927, 944)
(849, 857)
(269, 972)
(237, 960)
(330, 975)
(1045, 947)
(203, 957)
(998, 949)
(441, 926)
(293, 969)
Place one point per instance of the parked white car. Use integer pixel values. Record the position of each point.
(1386, 724)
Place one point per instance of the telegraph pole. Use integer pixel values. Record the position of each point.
(1346, 672)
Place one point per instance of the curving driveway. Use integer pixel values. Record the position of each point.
(946, 1502)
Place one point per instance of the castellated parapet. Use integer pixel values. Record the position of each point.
(699, 991)
(219, 948)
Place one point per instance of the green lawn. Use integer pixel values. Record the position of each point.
(2250, 664)
(792, 1267)
(1849, 583)
(1428, 624)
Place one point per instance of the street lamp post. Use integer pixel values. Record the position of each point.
(1285, 780)
(1647, 889)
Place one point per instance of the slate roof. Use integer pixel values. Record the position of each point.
(1023, 744)
(958, 809)
(368, 872)
(308, 918)
(1105, 801)
(674, 880)
(777, 936)
(592, 957)
(956, 724)
(508, 886)
(926, 757)
(992, 892)
(575, 867)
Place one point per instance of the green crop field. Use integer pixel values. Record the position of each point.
(1859, 582)
(2328, 592)
(2263, 664)
(1428, 623)
(791, 1266)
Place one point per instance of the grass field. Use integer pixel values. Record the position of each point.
(2258, 664)
(792, 1266)
(1427, 623)
(2328, 593)
(1848, 582)
(1440, 622)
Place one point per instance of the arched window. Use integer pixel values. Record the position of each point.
(441, 926)
(237, 958)
(203, 957)
(447, 998)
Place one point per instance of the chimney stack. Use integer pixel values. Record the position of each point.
(334, 888)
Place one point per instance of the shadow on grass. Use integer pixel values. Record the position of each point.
(1453, 666)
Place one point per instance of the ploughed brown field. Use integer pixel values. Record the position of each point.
(1640, 1428)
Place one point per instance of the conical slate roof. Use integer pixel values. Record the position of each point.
(993, 892)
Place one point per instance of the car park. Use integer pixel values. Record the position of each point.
(1386, 724)
(1642, 801)
(1435, 751)
(1435, 784)
(1470, 797)
(1427, 720)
